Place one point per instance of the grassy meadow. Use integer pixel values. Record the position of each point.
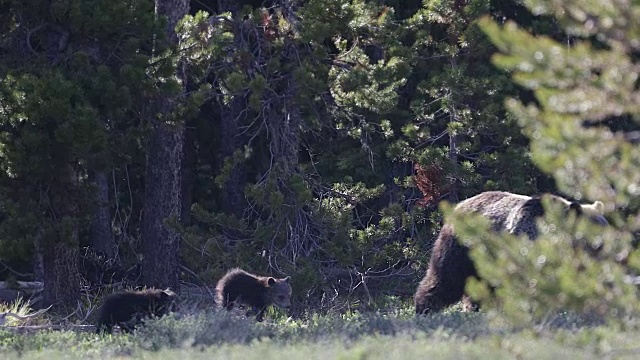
(393, 334)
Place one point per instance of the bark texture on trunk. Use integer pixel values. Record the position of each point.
(453, 157)
(231, 112)
(233, 199)
(173, 11)
(164, 174)
(190, 163)
(62, 281)
(38, 259)
(163, 203)
(61, 278)
(102, 239)
(301, 231)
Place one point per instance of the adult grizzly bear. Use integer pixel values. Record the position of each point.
(450, 265)
(258, 292)
(128, 308)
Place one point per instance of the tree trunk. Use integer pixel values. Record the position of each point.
(61, 279)
(38, 258)
(232, 196)
(163, 204)
(102, 239)
(453, 158)
(60, 247)
(231, 6)
(454, 191)
(190, 163)
(233, 200)
(163, 181)
(284, 121)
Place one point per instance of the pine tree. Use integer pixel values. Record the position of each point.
(73, 78)
(165, 156)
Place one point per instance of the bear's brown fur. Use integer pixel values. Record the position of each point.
(128, 308)
(450, 265)
(258, 292)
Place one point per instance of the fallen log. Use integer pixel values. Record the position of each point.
(27, 286)
(34, 328)
(11, 291)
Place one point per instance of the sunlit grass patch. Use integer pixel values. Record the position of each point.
(19, 312)
(212, 334)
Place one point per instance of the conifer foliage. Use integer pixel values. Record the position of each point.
(582, 128)
(73, 74)
(161, 143)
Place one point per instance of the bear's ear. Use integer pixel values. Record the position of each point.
(596, 208)
(599, 207)
(271, 281)
(287, 279)
(595, 212)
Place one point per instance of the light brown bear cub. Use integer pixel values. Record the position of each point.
(450, 265)
(240, 287)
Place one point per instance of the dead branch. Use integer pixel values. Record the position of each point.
(14, 272)
(33, 328)
(190, 272)
(3, 316)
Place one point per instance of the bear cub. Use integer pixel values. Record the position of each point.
(257, 292)
(127, 309)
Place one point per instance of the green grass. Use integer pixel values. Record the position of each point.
(398, 335)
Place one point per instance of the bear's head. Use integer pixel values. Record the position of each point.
(164, 301)
(595, 211)
(535, 207)
(279, 292)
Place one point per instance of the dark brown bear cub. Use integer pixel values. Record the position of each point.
(450, 265)
(258, 292)
(128, 308)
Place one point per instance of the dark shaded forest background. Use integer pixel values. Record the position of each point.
(308, 138)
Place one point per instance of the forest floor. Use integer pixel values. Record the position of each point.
(393, 335)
